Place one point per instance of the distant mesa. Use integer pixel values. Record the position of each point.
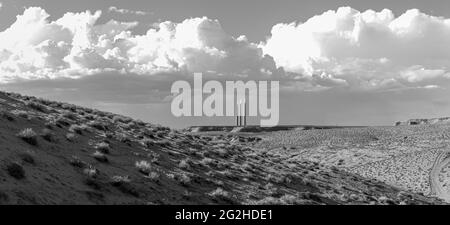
(442, 120)
(257, 129)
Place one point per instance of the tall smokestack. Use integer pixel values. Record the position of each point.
(245, 113)
(242, 112)
(239, 113)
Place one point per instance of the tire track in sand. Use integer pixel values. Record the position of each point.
(437, 189)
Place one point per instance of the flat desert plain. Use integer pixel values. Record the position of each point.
(414, 158)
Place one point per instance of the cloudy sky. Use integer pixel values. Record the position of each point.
(338, 62)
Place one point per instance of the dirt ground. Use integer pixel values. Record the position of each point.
(402, 156)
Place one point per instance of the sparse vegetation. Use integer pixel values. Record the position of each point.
(28, 135)
(174, 167)
(154, 176)
(78, 129)
(77, 162)
(220, 194)
(100, 156)
(184, 164)
(47, 135)
(90, 172)
(37, 106)
(70, 136)
(15, 170)
(7, 115)
(144, 167)
(103, 147)
(28, 158)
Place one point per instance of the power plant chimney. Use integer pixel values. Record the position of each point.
(241, 118)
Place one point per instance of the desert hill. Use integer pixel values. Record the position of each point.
(58, 153)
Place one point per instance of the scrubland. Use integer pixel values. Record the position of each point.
(58, 153)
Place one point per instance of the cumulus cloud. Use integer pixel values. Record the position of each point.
(128, 11)
(342, 49)
(364, 48)
(75, 46)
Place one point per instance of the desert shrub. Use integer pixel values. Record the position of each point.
(286, 199)
(15, 170)
(120, 179)
(184, 164)
(28, 135)
(275, 179)
(77, 129)
(93, 183)
(27, 157)
(126, 126)
(55, 105)
(67, 106)
(161, 133)
(206, 161)
(140, 122)
(123, 138)
(123, 183)
(47, 135)
(148, 133)
(21, 113)
(88, 110)
(50, 124)
(154, 176)
(99, 125)
(246, 167)
(121, 119)
(148, 143)
(61, 121)
(144, 167)
(386, 201)
(228, 173)
(219, 193)
(36, 106)
(7, 115)
(91, 172)
(70, 115)
(103, 147)
(44, 101)
(222, 152)
(70, 136)
(77, 162)
(109, 135)
(184, 179)
(88, 117)
(100, 156)
(171, 176)
(153, 156)
(210, 173)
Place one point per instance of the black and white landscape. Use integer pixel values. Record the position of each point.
(87, 92)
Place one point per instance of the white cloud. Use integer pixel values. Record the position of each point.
(417, 73)
(363, 46)
(128, 11)
(344, 49)
(75, 46)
